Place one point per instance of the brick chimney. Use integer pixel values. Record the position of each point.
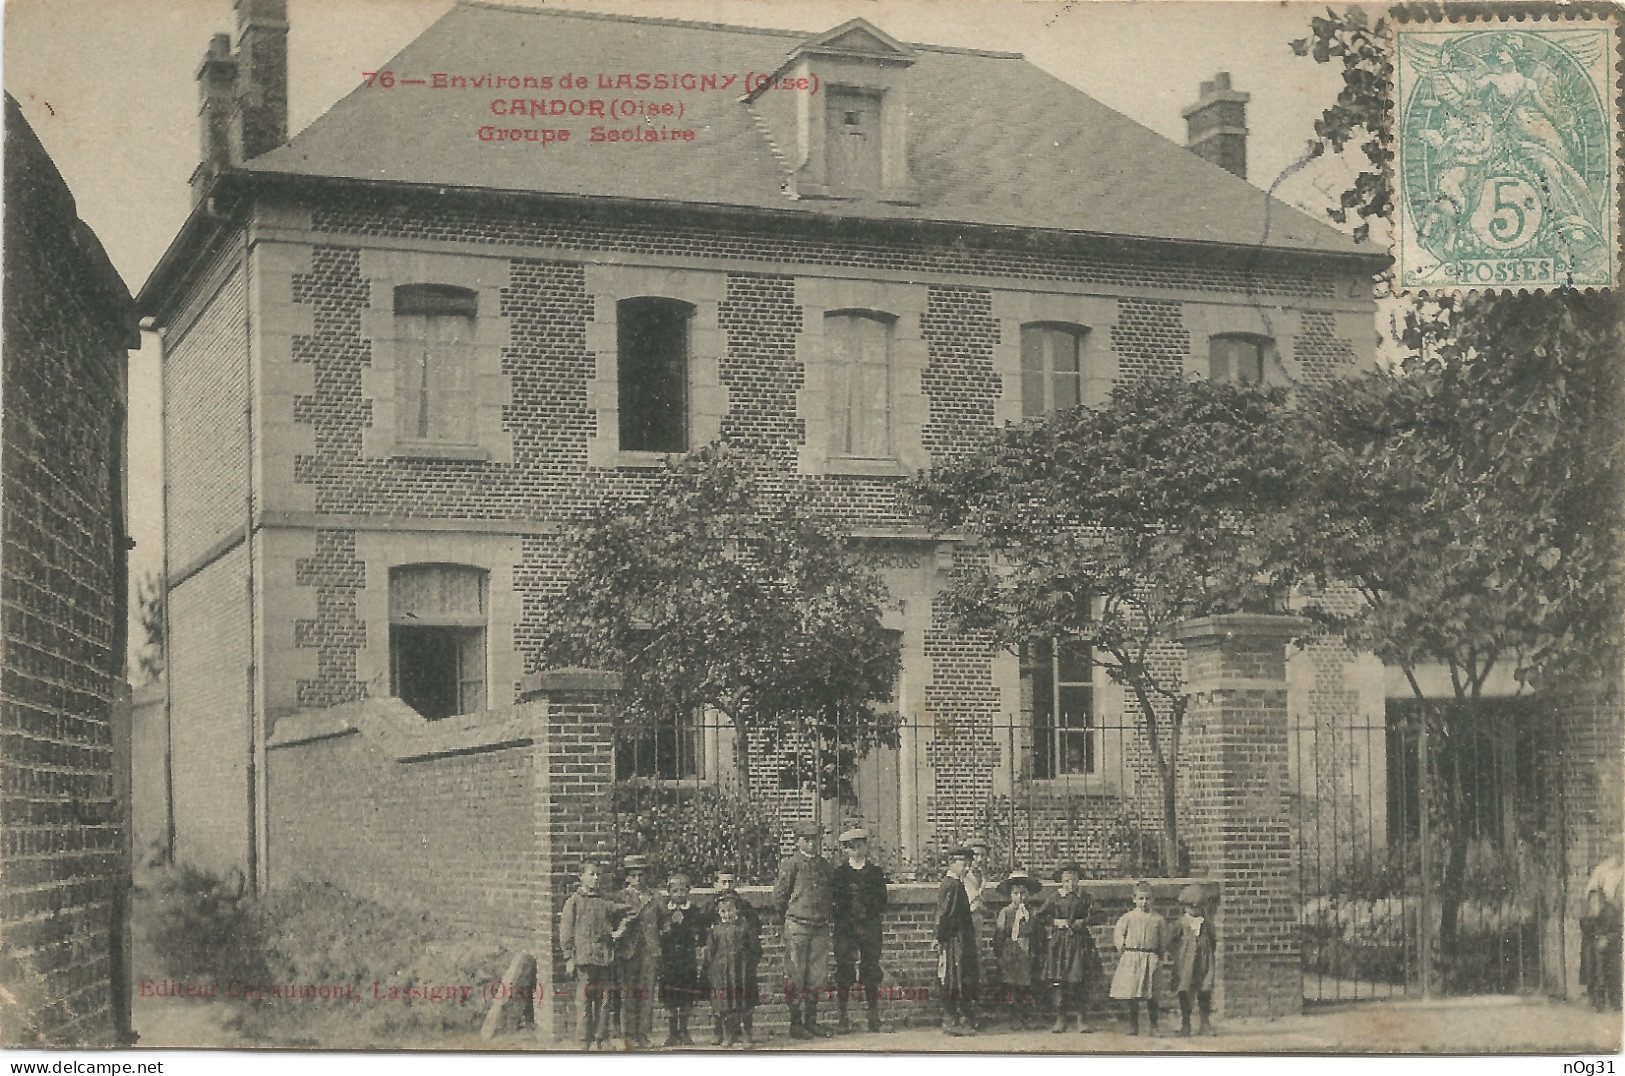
(262, 78)
(217, 85)
(243, 96)
(1216, 125)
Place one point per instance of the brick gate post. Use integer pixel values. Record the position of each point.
(1237, 819)
(573, 773)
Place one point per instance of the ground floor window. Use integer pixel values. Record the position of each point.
(1059, 696)
(437, 638)
(662, 748)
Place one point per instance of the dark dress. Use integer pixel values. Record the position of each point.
(1071, 956)
(731, 954)
(753, 926)
(1196, 947)
(680, 941)
(957, 965)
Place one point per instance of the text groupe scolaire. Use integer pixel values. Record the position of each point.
(619, 104)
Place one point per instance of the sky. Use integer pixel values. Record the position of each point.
(110, 88)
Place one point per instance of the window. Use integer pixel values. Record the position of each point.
(434, 330)
(1056, 677)
(663, 747)
(1240, 359)
(860, 353)
(1051, 368)
(852, 137)
(652, 345)
(437, 638)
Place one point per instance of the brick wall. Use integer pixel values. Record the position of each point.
(1588, 771)
(387, 806)
(63, 862)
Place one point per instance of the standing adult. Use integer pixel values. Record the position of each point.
(803, 896)
(637, 953)
(859, 906)
(1600, 930)
(955, 942)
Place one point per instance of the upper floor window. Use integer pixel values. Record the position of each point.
(434, 326)
(852, 137)
(437, 638)
(1240, 358)
(652, 345)
(861, 375)
(1052, 374)
(1057, 683)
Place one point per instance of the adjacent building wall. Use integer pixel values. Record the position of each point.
(64, 809)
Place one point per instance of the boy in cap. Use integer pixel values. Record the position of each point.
(637, 953)
(859, 892)
(1195, 954)
(1017, 940)
(731, 952)
(587, 933)
(955, 943)
(804, 897)
(1070, 960)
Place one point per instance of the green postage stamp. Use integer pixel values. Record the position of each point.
(1507, 163)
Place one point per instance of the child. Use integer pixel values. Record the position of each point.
(753, 928)
(682, 932)
(731, 955)
(1070, 962)
(637, 953)
(587, 936)
(1195, 953)
(1017, 942)
(1139, 946)
(955, 943)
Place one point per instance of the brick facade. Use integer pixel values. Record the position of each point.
(64, 737)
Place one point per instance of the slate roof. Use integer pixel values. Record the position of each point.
(991, 138)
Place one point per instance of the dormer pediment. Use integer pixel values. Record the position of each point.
(859, 40)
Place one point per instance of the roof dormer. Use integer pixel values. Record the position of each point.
(838, 110)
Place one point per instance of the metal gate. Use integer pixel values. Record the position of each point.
(1430, 850)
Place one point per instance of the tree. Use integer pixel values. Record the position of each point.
(1114, 524)
(1471, 497)
(149, 601)
(723, 589)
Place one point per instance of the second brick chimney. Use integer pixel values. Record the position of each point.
(1216, 125)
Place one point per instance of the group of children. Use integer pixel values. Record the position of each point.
(632, 948)
(1039, 941)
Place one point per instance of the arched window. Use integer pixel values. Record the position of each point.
(437, 638)
(434, 332)
(1052, 373)
(861, 379)
(1240, 358)
(652, 344)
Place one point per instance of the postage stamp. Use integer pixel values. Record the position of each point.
(1507, 166)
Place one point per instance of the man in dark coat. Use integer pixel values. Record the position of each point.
(955, 943)
(803, 897)
(860, 905)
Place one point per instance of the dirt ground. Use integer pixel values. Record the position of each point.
(1488, 1025)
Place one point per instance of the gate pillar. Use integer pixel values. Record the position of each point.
(573, 776)
(1237, 814)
